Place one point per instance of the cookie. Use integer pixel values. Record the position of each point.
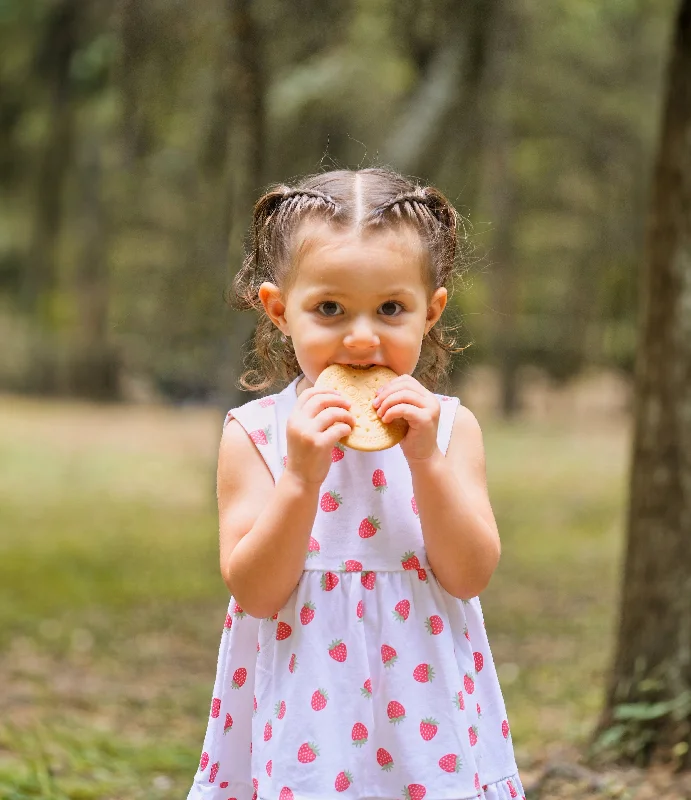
(360, 386)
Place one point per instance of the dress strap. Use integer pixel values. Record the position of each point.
(259, 419)
(448, 405)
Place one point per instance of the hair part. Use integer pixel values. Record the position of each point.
(362, 201)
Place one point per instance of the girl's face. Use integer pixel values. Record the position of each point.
(355, 300)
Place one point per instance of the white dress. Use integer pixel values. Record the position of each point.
(372, 681)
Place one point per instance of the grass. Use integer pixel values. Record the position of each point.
(111, 602)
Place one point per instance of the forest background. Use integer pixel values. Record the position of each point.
(134, 138)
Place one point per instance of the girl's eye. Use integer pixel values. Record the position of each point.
(389, 303)
(328, 303)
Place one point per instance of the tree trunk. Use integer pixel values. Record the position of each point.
(647, 715)
(92, 365)
(248, 176)
(499, 192)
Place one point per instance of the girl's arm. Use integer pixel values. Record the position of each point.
(264, 529)
(458, 525)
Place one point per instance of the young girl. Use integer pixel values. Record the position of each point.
(354, 659)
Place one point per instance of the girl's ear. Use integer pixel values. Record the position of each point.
(274, 305)
(435, 308)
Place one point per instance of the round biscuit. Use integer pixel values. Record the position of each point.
(360, 387)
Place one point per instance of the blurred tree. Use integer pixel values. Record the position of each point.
(647, 716)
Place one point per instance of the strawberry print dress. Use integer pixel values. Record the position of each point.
(372, 681)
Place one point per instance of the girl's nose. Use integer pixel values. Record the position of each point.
(361, 334)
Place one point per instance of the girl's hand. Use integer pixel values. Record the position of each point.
(317, 422)
(406, 397)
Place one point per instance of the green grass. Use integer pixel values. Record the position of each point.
(111, 602)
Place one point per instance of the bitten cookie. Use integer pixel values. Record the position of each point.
(360, 386)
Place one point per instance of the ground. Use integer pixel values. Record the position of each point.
(112, 605)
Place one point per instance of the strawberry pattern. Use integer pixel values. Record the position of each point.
(372, 680)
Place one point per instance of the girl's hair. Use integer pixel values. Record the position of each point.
(365, 200)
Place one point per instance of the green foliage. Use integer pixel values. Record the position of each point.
(159, 85)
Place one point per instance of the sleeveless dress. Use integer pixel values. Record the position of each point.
(372, 681)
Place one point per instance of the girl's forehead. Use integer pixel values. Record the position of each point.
(320, 246)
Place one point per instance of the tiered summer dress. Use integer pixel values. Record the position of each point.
(372, 681)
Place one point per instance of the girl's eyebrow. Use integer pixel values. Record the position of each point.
(329, 292)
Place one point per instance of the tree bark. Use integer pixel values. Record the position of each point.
(499, 190)
(92, 368)
(647, 714)
(57, 48)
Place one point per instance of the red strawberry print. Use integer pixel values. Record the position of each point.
(307, 613)
(367, 579)
(401, 610)
(395, 712)
(477, 781)
(410, 561)
(267, 731)
(215, 707)
(368, 527)
(350, 566)
(228, 624)
(255, 783)
(366, 689)
(280, 709)
(428, 728)
(360, 610)
(423, 673)
(384, 759)
(283, 631)
(266, 401)
(472, 733)
(255, 704)
(308, 752)
(479, 661)
(319, 699)
(459, 702)
(228, 724)
(204, 761)
(422, 575)
(337, 452)
(338, 651)
(343, 781)
(505, 729)
(329, 581)
(451, 763)
(477, 706)
(413, 504)
(388, 655)
(414, 791)
(379, 481)
(239, 677)
(313, 547)
(269, 767)
(261, 435)
(293, 663)
(512, 788)
(284, 461)
(214, 771)
(330, 501)
(239, 612)
(223, 784)
(359, 734)
(468, 683)
(285, 794)
(465, 632)
(434, 624)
